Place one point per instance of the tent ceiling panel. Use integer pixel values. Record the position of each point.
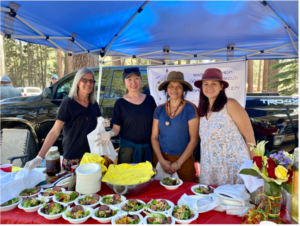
(188, 27)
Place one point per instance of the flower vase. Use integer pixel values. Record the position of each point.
(271, 201)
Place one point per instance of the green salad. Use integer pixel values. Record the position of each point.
(28, 203)
(204, 190)
(158, 218)
(11, 202)
(112, 200)
(132, 205)
(77, 215)
(53, 208)
(105, 212)
(183, 212)
(66, 197)
(158, 205)
(30, 191)
(170, 181)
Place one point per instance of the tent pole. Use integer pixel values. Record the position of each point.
(146, 54)
(38, 37)
(288, 30)
(122, 58)
(150, 60)
(179, 53)
(283, 54)
(99, 80)
(265, 4)
(120, 53)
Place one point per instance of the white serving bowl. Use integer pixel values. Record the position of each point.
(51, 217)
(119, 216)
(197, 186)
(132, 212)
(82, 197)
(50, 197)
(10, 207)
(171, 187)
(78, 221)
(35, 208)
(123, 198)
(105, 220)
(172, 219)
(186, 221)
(163, 212)
(32, 196)
(67, 192)
(65, 182)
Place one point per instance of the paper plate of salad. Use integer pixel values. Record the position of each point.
(10, 204)
(68, 197)
(184, 215)
(202, 190)
(132, 206)
(159, 206)
(78, 214)
(104, 213)
(158, 218)
(88, 200)
(30, 192)
(127, 218)
(32, 204)
(50, 192)
(171, 183)
(52, 210)
(112, 200)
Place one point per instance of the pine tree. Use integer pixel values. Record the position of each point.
(287, 77)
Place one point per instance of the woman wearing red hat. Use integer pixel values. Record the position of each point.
(225, 132)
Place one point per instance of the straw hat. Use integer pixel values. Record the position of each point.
(211, 74)
(175, 76)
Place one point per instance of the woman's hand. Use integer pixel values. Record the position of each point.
(104, 138)
(167, 166)
(33, 163)
(174, 166)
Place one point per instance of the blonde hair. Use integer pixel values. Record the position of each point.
(74, 90)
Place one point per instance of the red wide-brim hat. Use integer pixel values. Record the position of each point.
(211, 74)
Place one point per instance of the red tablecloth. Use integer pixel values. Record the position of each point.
(155, 191)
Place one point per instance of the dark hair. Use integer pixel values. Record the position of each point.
(204, 103)
(185, 90)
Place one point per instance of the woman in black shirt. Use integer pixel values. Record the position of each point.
(77, 116)
(132, 118)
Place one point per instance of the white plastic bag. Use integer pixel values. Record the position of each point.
(107, 150)
(13, 183)
(161, 174)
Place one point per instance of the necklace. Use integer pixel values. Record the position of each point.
(172, 114)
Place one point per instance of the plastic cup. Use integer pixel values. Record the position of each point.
(6, 168)
(74, 168)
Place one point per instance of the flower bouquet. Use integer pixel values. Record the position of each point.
(276, 171)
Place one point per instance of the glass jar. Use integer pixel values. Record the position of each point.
(295, 195)
(52, 161)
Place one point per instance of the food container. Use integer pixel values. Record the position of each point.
(10, 207)
(171, 204)
(131, 189)
(52, 161)
(119, 216)
(179, 221)
(6, 168)
(34, 208)
(132, 212)
(51, 217)
(70, 202)
(123, 198)
(80, 220)
(171, 187)
(82, 197)
(107, 219)
(88, 178)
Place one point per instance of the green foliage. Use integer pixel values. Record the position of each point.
(287, 77)
(14, 67)
(250, 172)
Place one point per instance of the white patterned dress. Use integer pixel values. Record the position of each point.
(223, 150)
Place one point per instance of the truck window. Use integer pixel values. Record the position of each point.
(104, 83)
(117, 87)
(145, 84)
(64, 88)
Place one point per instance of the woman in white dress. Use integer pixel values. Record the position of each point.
(225, 132)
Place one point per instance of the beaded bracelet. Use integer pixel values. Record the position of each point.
(178, 165)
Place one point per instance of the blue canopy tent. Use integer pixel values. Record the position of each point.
(166, 30)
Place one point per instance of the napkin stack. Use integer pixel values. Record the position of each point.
(239, 207)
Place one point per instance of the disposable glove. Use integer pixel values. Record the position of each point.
(106, 123)
(104, 138)
(33, 163)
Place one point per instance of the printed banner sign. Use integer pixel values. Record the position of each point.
(233, 72)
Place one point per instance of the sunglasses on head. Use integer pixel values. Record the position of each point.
(91, 81)
(130, 70)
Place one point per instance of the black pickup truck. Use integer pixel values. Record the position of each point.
(37, 113)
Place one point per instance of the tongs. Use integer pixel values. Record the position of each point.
(52, 185)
